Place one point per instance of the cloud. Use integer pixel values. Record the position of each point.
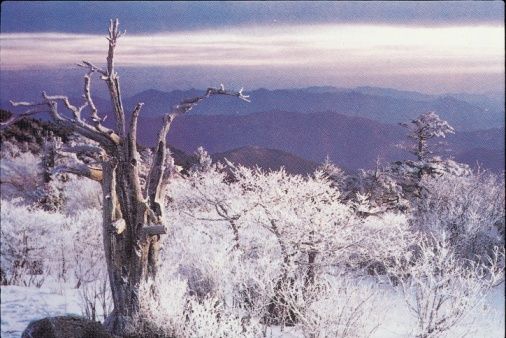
(378, 49)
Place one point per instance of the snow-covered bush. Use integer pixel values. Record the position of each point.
(87, 262)
(468, 209)
(383, 192)
(163, 315)
(203, 163)
(335, 307)
(407, 174)
(441, 289)
(38, 245)
(80, 193)
(333, 173)
(176, 313)
(20, 173)
(28, 175)
(243, 240)
(209, 318)
(28, 253)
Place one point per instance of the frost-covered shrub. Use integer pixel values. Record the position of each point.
(80, 193)
(241, 241)
(203, 163)
(441, 289)
(37, 245)
(335, 307)
(383, 192)
(468, 209)
(174, 313)
(27, 238)
(96, 298)
(163, 315)
(86, 262)
(209, 318)
(27, 175)
(20, 173)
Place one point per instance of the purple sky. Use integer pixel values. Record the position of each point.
(431, 47)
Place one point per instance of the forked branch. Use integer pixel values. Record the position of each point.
(156, 173)
(97, 120)
(76, 124)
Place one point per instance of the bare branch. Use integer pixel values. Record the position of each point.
(158, 166)
(87, 96)
(112, 38)
(83, 149)
(97, 121)
(37, 108)
(50, 104)
(132, 133)
(78, 125)
(83, 170)
(154, 229)
(75, 111)
(92, 67)
(112, 78)
(131, 151)
(187, 104)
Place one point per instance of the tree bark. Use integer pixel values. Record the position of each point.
(132, 255)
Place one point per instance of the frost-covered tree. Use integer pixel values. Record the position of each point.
(312, 229)
(423, 129)
(383, 192)
(132, 213)
(204, 161)
(293, 232)
(335, 174)
(209, 196)
(407, 174)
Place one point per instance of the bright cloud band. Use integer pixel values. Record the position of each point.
(342, 48)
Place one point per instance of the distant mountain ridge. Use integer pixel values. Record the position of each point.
(380, 104)
(463, 111)
(351, 142)
(353, 126)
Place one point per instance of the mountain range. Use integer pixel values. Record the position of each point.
(380, 104)
(351, 142)
(354, 127)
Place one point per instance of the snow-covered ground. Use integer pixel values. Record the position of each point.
(20, 305)
(398, 321)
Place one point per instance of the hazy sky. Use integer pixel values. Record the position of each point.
(426, 46)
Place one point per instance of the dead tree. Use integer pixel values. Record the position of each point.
(132, 214)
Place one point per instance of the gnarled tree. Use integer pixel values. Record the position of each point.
(132, 213)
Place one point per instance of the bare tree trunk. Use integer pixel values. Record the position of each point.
(132, 254)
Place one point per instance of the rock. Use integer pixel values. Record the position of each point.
(65, 327)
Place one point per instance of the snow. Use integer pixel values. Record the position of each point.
(398, 320)
(20, 305)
